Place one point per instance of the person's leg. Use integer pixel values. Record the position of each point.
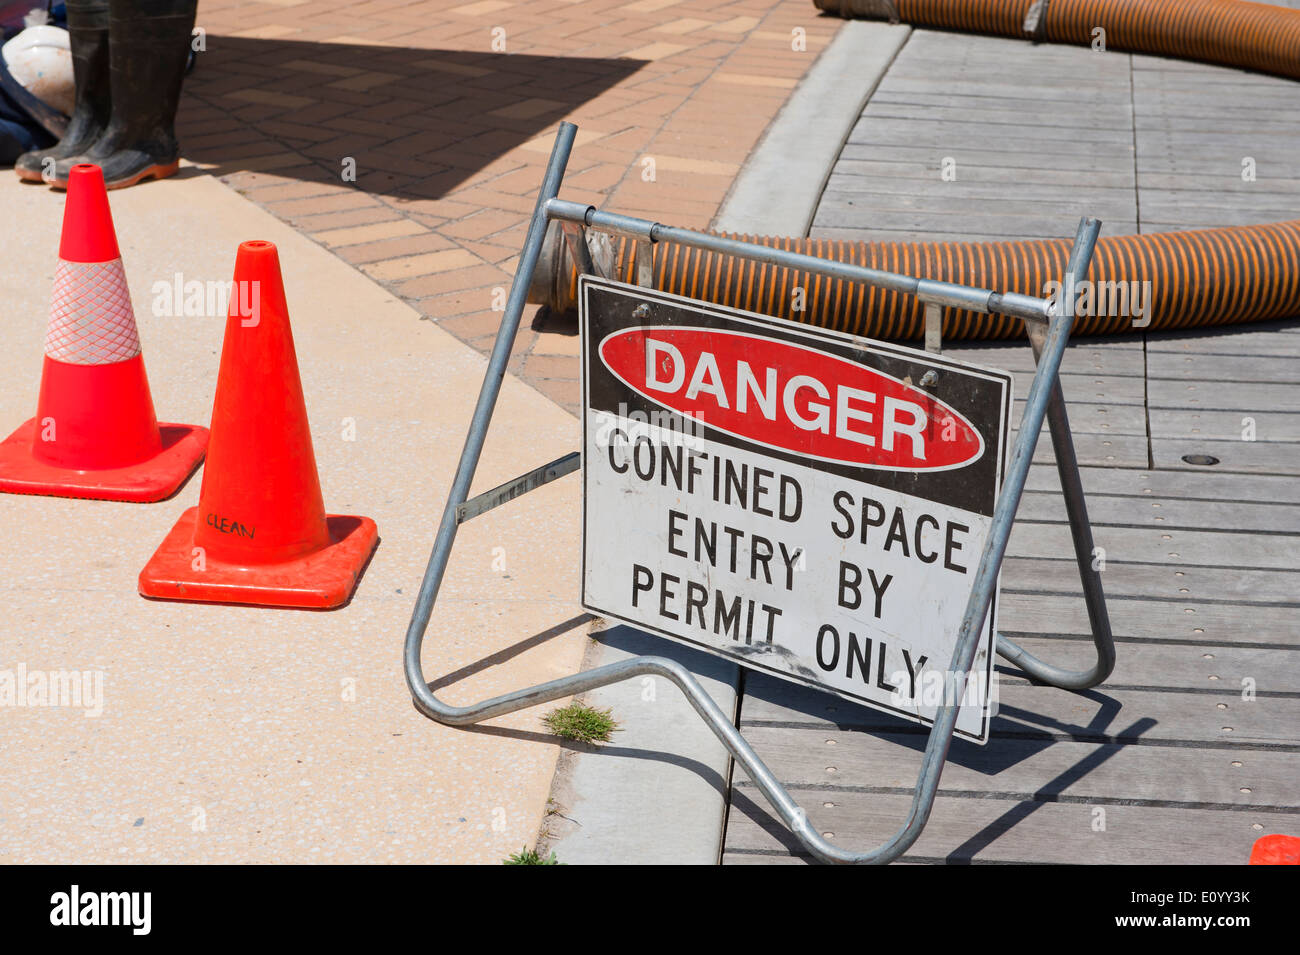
(149, 44)
(88, 38)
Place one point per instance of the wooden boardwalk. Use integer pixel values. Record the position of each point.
(1171, 760)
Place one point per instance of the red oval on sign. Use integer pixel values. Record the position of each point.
(792, 398)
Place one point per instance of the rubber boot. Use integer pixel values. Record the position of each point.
(149, 44)
(88, 38)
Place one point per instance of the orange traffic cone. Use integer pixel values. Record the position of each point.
(1276, 850)
(95, 434)
(260, 534)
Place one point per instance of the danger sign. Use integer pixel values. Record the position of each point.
(789, 497)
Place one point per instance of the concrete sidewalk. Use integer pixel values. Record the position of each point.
(234, 734)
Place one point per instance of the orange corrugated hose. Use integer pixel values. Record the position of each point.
(1203, 277)
(1254, 36)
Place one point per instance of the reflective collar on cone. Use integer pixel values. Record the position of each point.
(91, 319)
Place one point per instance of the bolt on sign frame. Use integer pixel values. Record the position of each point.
(1048, 325)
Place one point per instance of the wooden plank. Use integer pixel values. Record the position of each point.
(1258, 105)
(1274, 183)
(1162, 583)
(1186, 120)
(1165, 513)
(1099, 419)
(1275, 338)
(1267, 457)
(874, 127)
(1203, 484)
(994, 225)
(942, 199)
(970, 190)
(1159, 545)
(1118, 357)
(1168, 154)
(1022, 615)
(1188, 214)
(994, 86)
(1090, 387)
(1179, 217)
(912, 235)
(1225, 425)
(1231, 145)
(1038, 768)
(761, 858)
(962, 829)
(1201, 367)
(1180, 665)
(927, 170)
(932, 155)
(1050, 67)
(1223, 91)
(1107, 714)
(961, 106)
(949, 107)
(1175, 204)
(1101, 450)
(1213, 395)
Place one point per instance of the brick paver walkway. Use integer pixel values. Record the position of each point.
(446, 109)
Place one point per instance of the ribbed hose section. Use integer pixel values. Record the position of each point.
(1181, 279)
(1254, 36)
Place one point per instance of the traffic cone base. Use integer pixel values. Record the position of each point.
(155, 479)
(260, 534)
(1276, 850)
(321, 580)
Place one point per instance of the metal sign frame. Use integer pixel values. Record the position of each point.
(1048, 324)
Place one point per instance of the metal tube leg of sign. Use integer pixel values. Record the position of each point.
(977, 606)
(487, 399)
(1067, 465)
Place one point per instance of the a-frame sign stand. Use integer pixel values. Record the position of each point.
(1049, 327)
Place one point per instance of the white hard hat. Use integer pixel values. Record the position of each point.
(39, 58)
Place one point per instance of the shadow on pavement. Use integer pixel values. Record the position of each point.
(1017, 734)
(417, 122)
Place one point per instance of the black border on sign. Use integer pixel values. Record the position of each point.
(813, 333)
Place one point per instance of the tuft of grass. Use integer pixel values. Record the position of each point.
(527, 856)
(581, 722)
